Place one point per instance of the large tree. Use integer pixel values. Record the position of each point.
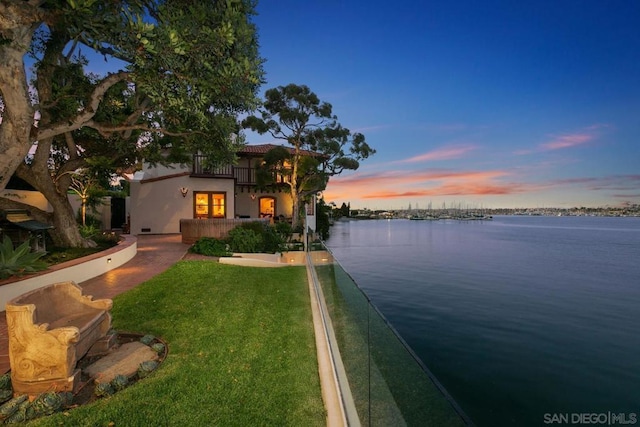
(179, 73)
(321, 147)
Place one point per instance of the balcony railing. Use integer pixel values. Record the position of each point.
(241, 175)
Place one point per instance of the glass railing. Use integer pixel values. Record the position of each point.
(379, 375)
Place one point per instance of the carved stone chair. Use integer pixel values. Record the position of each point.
(50, 328)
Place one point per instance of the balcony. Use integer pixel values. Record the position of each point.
(241, 175)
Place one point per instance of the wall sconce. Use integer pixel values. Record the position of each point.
(184, 191)
(253, 197)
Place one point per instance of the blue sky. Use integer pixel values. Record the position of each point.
(481, 103)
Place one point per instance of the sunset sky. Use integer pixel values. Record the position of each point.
(480, 103)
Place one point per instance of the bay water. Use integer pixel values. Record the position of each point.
(525, 320)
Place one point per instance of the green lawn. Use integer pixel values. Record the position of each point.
(241, 351)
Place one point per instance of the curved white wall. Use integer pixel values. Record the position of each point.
(77, 270)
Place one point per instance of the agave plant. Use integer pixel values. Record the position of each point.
(67, 398)
(119, 382)
(23, 412)
(47, 403)
(5, 381)
(12, 406)
(146, 368)
(103, 390)
(147, 339)
(158, 347)
(18, 261)
(5, 395)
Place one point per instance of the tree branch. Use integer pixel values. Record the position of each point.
(71, 165)
(89, 111)
(275, 135)
(23, 172)
(133, 117)
(71, 145)
(106, 131)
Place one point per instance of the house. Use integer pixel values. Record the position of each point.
(163, 196)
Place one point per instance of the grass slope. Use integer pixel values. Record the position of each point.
(241, 351)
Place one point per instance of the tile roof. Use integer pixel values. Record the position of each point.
(262, 149)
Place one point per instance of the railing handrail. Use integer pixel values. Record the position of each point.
(349, 412)
(243, 175)
(455, 406)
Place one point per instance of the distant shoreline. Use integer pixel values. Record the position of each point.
(625, 212)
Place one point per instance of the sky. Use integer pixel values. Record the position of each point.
(476, 103)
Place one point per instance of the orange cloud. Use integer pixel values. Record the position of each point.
(397, 184)
(411, 177)
(440, 154)
(567, 141)
(411, 184)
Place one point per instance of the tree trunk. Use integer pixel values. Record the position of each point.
(17, 118)
(295, 214)
(66, 232)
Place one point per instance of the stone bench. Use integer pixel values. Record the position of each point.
(50, 329)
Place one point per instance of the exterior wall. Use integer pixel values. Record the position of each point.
(194, 229)
(32, 198)
(248, 203)
(102, 211)
(157, 205)
(247, 162)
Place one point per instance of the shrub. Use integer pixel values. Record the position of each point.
(272, 240)
(255, 226)
(285, 230)
(210, 246)
(88, 231)
(106, 238)
(89, 219)
(18, 261)
(245, 240)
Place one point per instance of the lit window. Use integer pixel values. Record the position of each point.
(267, 207)
(209, 205)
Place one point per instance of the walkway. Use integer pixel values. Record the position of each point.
(155, 254)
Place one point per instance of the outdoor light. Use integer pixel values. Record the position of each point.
(108, 260)
(184, 191)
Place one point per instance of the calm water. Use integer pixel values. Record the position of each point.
(521, 318)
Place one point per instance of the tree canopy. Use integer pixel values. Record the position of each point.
(322, 147)
(179, 73)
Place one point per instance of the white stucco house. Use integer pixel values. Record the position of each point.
(162, 196)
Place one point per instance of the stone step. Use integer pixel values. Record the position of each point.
(121, 361)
